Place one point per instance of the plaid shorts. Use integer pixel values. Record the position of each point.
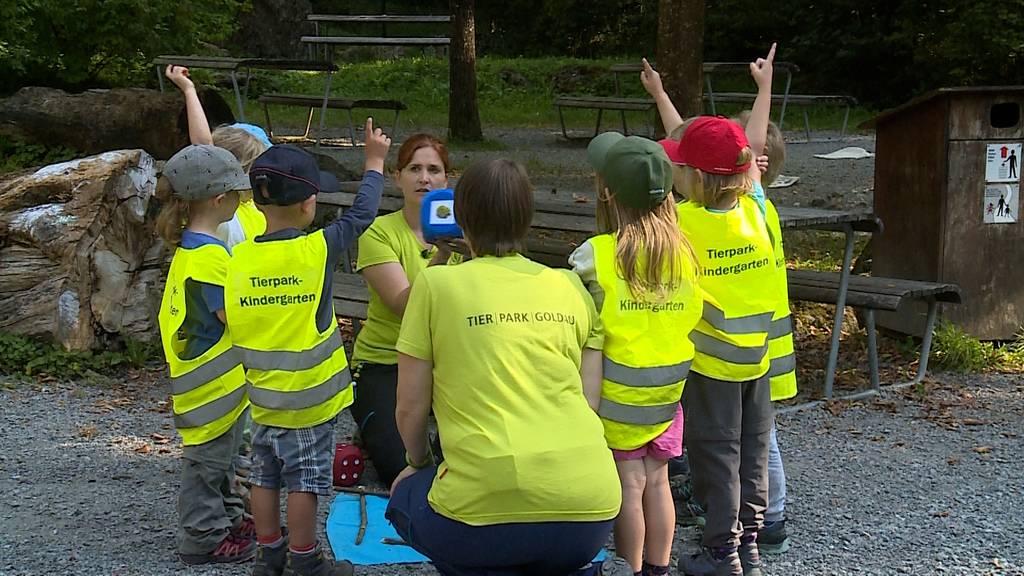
(300, 459)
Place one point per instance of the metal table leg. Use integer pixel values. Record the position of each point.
(238, 96)
(785, 99)
(323, 109)
(837, 325)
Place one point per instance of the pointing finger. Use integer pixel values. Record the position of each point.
(771, 53)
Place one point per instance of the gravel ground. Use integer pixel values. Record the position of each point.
(919, 482)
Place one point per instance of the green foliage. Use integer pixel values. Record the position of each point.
(15, 155)
(953, 349)
(81, 43)
(25, 357)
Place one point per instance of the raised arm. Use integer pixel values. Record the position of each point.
(757, 126)
(198, 127)
(651, 80)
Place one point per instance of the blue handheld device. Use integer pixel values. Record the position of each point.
(437, 215)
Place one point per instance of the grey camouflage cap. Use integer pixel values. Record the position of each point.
(202, 171)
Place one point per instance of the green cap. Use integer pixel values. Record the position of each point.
(635, 169)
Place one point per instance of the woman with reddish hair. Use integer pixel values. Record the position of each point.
(392, 252)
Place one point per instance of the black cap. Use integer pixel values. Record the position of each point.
(290, 175)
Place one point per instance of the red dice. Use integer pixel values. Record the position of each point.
(348, 464)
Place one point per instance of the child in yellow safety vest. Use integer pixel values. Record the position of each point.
(200, 187)
(727, 400)
(642, 275)
(245, 141)
(279, 308)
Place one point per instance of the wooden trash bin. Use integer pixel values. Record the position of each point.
(947, 187)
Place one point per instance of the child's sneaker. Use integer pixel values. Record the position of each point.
(772, 539)
(315, 564)
(230, 550)
(270, 561)
(246, 529)
(720, 562)
(750, 558)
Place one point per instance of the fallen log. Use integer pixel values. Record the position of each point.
(79, 259)
(98, 120)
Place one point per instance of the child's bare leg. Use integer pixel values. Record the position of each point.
(659, 512)
(301, 520)
(266, 510)
(629, 525)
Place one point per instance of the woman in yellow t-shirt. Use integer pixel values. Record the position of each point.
(392, 253)
(494, 346)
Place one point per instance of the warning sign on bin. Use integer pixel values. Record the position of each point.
(1001, 203)
(1002, 163)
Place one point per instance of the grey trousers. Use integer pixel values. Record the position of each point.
(726, 430)
(207, 505)
(776, 481)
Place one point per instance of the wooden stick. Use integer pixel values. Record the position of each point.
(362, 490)
(362, 519)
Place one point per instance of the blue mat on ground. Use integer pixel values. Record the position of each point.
(343, 525)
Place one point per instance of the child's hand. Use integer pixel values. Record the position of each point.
(762, 163)
(651, 80)
(178, 75)
(761, 69)
(377, 145)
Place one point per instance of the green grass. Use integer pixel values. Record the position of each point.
(955, 350)
(512, 92)
(25, 358)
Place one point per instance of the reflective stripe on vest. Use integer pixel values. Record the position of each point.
(726, 351)
(298, 376)
(646, 353)
(292, 361)
(640, 415)
(780, 327)
(752, 324)
(781, 365)
(213, 368)
(302, 399)
(211, 411)
(645, 377)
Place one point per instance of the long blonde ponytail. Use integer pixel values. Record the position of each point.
(652, 255)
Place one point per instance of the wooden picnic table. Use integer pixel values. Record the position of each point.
(709, 69)
(233, 65)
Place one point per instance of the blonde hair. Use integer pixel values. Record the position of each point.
(709, 189)
(651, 253)
(242, 144)
(774, 148)
(174, 213)
(605, 212)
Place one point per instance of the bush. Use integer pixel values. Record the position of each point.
(82, 43)
(15, 155)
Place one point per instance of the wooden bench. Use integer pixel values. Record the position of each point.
(871, 293)
(803, 100)
(314, 102)
(233, 65)
(602, 103)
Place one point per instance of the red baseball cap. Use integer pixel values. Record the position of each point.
(710, 144)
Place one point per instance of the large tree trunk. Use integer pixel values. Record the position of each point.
(272, 28)
(79, 260)
(463, 114)
(99, 120)
(681, 52)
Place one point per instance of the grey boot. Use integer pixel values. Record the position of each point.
(270, 561)
(720, 562)
(316, 564)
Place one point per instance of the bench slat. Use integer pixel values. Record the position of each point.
(745, 97)
(605, 102)
(866, 291)
(378, 18)
(334, 103)
(376, 41)
(856, 299)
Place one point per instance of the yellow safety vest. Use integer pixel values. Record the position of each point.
(737, 277)
(253, 222)
(646, 353)
(208, 392)
(298, 376)
(782, 359)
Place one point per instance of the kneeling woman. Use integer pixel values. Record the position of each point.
(494, 346)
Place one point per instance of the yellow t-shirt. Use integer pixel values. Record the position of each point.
(388, 239)
(505, 336)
